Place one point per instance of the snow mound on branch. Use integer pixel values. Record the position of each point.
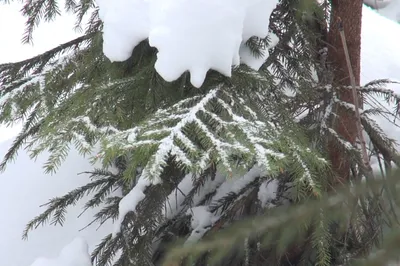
(267, 192)
(130, 201)
(118, 37)
(74, 254)
(194, 36)
(201, 221)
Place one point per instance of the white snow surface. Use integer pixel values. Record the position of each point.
(25, 188)
(378, 4)
(389, 9)
(190, 35)
(75, 253)
(126, 24)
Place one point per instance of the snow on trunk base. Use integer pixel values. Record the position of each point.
(190, 35)
(75, 253)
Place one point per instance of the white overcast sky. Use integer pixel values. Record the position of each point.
(46, 36)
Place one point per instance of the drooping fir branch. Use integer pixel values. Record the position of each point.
(102, 184)
(35, 65)
(319, 116)
(48, 10)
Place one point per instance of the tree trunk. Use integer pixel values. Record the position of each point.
(349, 12)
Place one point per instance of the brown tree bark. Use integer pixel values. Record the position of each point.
(349, 12)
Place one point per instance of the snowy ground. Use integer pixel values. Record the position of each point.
(380, 58)
(26, 187)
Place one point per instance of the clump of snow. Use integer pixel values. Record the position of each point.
(197, 36)
(236, 183)
(193, 36)
(257, 17)
(267, 192)
(131, 200)
(177, 196)
(75, 253)
(202, 220)
(126, 24)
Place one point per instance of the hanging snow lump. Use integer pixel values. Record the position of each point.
(190, 35)
(125, 24)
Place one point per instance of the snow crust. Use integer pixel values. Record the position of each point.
(126, 24)
(190, 35)
(75, 253)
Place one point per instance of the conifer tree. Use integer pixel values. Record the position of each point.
(188, 162)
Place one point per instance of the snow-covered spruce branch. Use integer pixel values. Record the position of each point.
(191, 130)
(197, 132)
(27, 90)
(102, 184)
(382, 92)
(40, 63)
(324, 127)
(57, 139)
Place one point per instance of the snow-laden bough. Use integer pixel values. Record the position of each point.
(193, 36)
